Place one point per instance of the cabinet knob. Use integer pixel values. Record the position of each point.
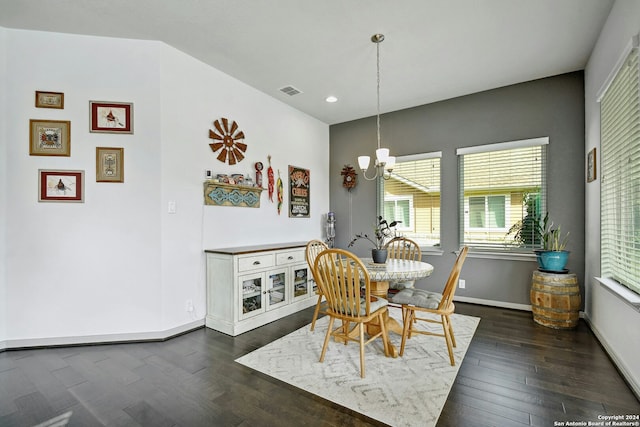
(289, 257)
(256, 262)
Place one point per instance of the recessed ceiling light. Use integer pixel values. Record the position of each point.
(331, 99)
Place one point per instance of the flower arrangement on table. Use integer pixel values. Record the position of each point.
(383, 231)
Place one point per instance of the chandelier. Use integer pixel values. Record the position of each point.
(383, 160)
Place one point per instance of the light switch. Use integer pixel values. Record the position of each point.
(172, 207)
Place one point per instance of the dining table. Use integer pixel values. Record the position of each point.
(380, 276)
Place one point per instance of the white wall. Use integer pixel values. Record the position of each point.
(119, 264)
(609, 315)
(193, 96)
(3, 192)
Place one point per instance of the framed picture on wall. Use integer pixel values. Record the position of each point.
(110, 117)
(298, 192)
(109, 164)
(49, 138)
(49, 99)
(60, 185)
(591, 165)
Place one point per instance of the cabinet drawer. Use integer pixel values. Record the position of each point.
(290, 257)
(255, 262)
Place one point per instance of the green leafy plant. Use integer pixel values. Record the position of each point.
(552, 238)
(383, 231)
(526, 232)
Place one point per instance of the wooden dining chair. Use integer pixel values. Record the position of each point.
(414, 301)
(402, 248)
(340, 274)
(314, 247)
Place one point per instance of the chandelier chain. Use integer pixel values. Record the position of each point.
(378, 90)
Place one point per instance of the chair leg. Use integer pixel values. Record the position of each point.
(326, 339)
(453, 337)
(447, 336)
(406, 328)
(361, 326)
(316, 312)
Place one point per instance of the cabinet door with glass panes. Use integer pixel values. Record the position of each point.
(277, 294)
(301, 276)
(252, 295)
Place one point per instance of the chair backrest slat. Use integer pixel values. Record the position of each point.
(313, 248)
(452, 282)
(342, 277)
(403, 248)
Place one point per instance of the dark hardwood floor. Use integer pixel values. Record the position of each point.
(515, 373)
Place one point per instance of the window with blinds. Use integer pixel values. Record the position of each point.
(412, 195)
(620, 177)
(502, 194)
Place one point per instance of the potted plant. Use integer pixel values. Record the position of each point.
(553, 256)
(526, 232)
(383, 231)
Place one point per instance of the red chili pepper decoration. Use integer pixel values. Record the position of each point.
(270, 178)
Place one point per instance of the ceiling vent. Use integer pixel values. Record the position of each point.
(290, 90)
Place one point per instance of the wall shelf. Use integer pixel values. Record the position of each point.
(219, 194)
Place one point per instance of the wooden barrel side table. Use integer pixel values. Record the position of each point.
(555, 299)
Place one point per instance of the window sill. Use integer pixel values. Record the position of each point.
(621, 291)
(508, 256)
(431, 251)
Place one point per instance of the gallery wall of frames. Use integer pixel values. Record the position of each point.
(53, 138)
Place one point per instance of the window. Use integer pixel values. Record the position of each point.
(502, 189)
(400, 208)
(620, 177)
(486, 212)
(412, 195)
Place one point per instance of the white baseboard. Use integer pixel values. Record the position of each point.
(101, 339)
(624, 371)
(501, 304)
(492, 303)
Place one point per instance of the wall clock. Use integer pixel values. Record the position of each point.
(227, 138)
(349, 177)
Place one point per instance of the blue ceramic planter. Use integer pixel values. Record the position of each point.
(554, 261)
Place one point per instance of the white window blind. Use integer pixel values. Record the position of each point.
(413, 192)
(620, 178)
(502, 188)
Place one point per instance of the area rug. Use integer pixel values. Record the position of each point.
(405, 391)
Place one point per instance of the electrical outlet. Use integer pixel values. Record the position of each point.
(461, 283)
(189, 306)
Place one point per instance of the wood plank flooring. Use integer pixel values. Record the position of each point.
(515, 373)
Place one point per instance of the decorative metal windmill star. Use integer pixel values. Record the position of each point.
(227, 140)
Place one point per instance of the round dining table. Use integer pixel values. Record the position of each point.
(380, 275)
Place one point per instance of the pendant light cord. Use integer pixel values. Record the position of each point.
(378, 89)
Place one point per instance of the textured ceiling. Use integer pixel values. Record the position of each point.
(434, 49)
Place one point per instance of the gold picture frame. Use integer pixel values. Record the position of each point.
(49, 137)
(591, 166)
(109, 164)
(49, 99)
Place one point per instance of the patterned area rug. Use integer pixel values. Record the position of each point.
(406, 391)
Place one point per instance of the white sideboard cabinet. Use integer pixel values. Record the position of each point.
(250, 286)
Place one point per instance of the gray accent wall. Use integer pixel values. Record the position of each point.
(552, 107)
